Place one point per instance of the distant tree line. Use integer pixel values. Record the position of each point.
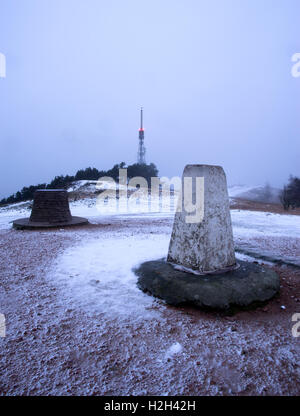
(290, 194)
(63, 182)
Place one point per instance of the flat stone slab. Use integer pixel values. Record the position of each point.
(242, 287)
(26, 224)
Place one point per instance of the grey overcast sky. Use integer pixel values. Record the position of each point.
(214, 78)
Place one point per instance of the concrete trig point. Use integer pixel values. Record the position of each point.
(204, 245)
(201, 268)
(50, 209)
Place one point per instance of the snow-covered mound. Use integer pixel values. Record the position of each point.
(83, 186)
(93, 187)
(260, 193)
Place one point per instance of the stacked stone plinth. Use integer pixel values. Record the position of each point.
(50, 209)
(51, 206)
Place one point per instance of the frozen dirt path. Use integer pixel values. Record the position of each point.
(77, 324)
(269, 236)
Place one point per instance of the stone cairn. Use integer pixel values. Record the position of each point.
(201, 268)
(50, 209)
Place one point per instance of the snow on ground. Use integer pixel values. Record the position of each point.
(272, 236)
(12, 212)
(250, 223)
(90, 187)
(77, 323)
(269, 236)
(83, 185)
(99, 275)
(235, 191)
(174, 349)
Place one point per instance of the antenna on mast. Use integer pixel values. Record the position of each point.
(141, 148)
(141, 117)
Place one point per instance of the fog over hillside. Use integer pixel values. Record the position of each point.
(214, 78)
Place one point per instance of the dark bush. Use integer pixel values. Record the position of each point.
(290, 194)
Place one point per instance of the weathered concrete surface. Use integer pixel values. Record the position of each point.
(205, 246)
(242, 287)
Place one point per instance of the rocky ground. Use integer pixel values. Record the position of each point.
(96, 335)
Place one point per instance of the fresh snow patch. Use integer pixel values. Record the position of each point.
(98, 275)
(255, 223)
(245, 257)
(174, 349)
(83, 185)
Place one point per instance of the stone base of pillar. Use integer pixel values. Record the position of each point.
(26, 224)
(249, 285)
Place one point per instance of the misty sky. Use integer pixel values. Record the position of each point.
(214, 78)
